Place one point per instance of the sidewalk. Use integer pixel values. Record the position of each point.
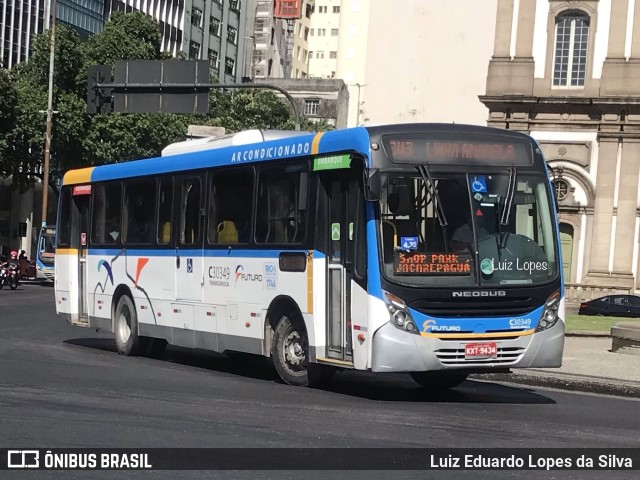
(587, 366)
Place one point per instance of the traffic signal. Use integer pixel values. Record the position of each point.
(99, 99)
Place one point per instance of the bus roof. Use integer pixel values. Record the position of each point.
(242, 148)
(253, 146)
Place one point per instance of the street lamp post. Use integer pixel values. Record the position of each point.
(358, 105)
(252, 64)
(49, 126)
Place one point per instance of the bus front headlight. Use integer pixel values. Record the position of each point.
(399, 314)
(550, 313)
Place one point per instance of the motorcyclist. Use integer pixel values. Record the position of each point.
(12, 261)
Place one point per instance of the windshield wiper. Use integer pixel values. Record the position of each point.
(433, 190)
(506, 209)
(508, 200)
(428, 180)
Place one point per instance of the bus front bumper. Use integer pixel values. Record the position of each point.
(396, 351)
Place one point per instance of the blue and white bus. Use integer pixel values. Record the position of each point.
(431, 249)
(45, 253)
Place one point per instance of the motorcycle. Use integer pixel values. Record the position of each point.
(9, 275)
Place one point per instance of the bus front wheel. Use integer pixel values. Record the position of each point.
(438, 381)
(126, 327)
(290, 353)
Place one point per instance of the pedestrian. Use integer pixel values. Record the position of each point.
(23, 262)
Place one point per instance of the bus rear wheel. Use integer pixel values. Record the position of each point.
(125, 327)
(438, 381)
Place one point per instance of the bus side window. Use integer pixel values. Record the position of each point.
(139, 212)
(230, 206)
(165, 210)
(107, 213)
(64, 219)
(190, 212)
(282, 199)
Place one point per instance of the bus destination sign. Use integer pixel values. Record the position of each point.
(411, 149)
(415, 263)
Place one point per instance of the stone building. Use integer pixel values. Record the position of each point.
(568, 73)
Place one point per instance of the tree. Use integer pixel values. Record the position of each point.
(81, 140)
(24, 161)
(119, 137)
(8, 114)
(238, 110)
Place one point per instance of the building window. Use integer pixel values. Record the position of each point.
(308, 10)
(214, 27)
(194, 50)
(334, 32)
(570, 59)
(232, 35)
(234, 5)
(309, 55)
(313, 32)
(311, 107)
(229, 66)
(561, 188)
(213, 59)
(196, 17)
(333, 54)
(306, 33)
(322, 32)
(336, 9)
(319, 54)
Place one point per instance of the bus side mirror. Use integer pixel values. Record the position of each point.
(372, 184)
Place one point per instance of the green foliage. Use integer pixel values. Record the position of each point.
(68, 61)
(80, 139)
(126, 36)
(8, 114)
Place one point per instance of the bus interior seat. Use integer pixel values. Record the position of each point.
(227, 232)
(165, 234)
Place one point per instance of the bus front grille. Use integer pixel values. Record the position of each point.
(455, 356)
(512, 307)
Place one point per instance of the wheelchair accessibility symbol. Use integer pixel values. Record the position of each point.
(478, 183)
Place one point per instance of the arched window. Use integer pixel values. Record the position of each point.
(570, 54)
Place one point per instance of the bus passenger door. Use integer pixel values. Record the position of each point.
(80, 239)
(341, 188)
(189, 245)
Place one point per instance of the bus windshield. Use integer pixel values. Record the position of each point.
(491, 228)
(46, 246)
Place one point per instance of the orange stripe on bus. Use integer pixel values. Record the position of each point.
(471, 336)
(82, 175)
(315, 144)
(66, 251)
(310, 282)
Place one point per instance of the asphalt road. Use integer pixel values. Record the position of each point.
(64, 386)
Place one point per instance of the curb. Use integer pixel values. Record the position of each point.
(587, 333)
(565, 381)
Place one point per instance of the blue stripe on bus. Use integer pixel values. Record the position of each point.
(234, 155)
(515, 323)
(373, 268)
(354, 139)
(234, 253)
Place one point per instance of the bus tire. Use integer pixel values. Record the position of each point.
(290, 351)
(438, 381)
(125, 327)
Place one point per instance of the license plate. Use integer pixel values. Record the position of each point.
(481, 350)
